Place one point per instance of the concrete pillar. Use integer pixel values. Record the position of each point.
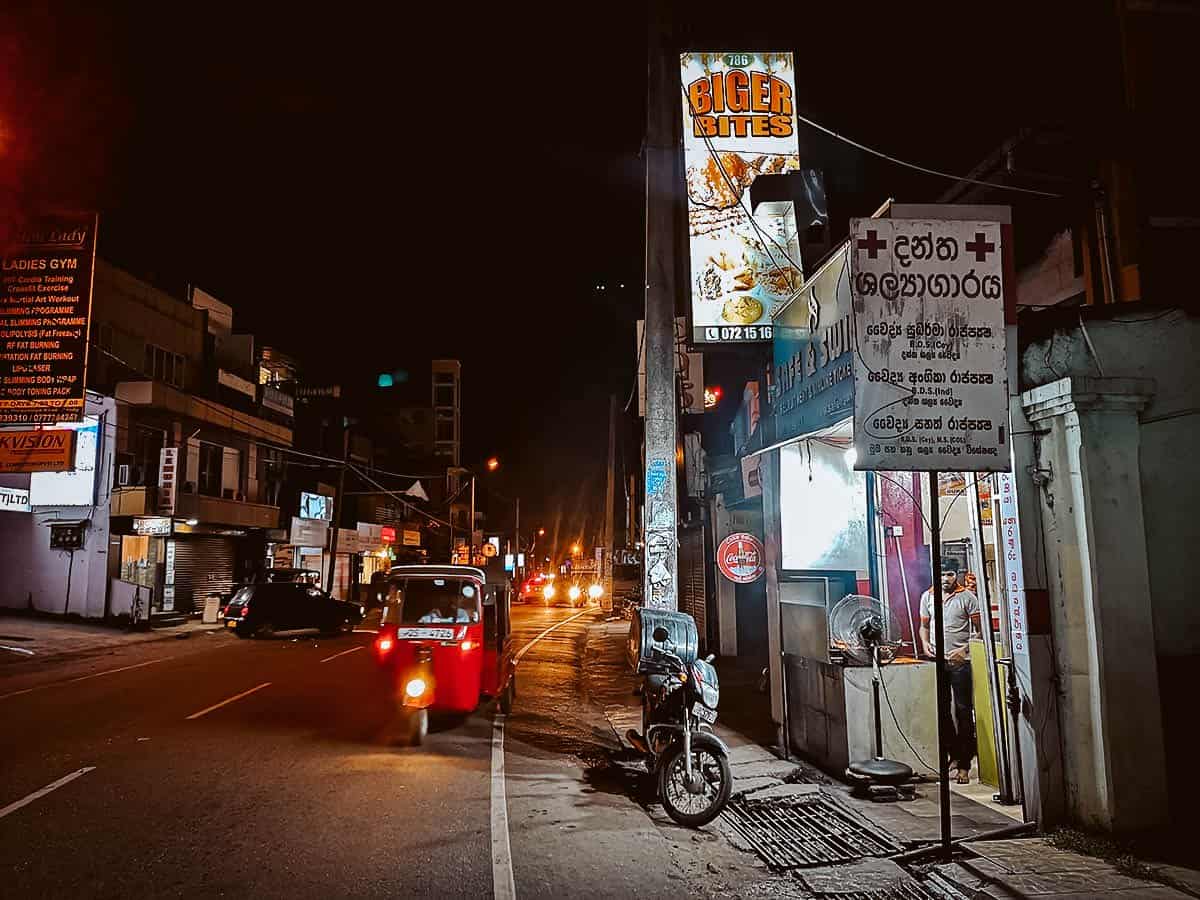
(1099, 584)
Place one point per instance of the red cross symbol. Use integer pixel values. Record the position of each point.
(980, 247)
(872, 244)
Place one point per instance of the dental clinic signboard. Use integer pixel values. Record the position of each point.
(738, 123)
(931, 385)
(45, 305)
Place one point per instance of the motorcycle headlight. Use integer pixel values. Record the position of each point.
(573, 592)
(595, 592)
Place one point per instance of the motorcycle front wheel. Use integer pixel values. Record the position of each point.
(698, 804)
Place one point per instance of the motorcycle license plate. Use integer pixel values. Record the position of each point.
(703, 713)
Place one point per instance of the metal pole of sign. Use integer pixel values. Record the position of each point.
(995, 694)
(939, 661)
(471, 526)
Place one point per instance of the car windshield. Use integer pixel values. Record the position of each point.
(427, 601)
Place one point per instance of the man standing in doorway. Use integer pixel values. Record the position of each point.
(960, 610)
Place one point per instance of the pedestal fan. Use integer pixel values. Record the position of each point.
(856, 630)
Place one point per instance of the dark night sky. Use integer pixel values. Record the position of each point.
(371, 190)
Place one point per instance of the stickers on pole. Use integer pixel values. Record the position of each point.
(931, 387)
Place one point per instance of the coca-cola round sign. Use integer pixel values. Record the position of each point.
(740, 558)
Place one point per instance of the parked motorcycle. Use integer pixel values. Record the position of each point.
(680, 693)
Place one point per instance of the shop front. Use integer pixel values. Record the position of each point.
(843, 545)
(180, 562)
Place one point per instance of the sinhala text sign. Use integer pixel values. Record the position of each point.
(930, 384)
(45, 304)
(738, 123)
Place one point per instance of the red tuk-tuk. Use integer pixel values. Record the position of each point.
(444, 641)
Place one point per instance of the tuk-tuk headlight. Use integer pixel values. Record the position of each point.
(574, 592)
(415, 687)
(548, 592)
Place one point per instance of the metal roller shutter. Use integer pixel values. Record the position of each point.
(692, 592)
(203, 565)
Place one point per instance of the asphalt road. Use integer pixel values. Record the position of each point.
(294, 786)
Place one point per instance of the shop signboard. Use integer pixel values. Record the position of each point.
(740, 558)
(387, 534)
(316, 506)
(510, 562)
(168, 598)
(168, 469)
(40, 450)
(349, 541)
(689, 370)
(411, 538)
(14, 500)
(738, 123)
(1014, 567)
(152, 525)
(930, 374)
(813, 354)
(370, 534)
(45, 307)
(76, 487)
(309, 532)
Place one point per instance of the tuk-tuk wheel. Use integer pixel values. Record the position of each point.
(418, 727)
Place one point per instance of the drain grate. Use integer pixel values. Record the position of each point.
(807, 830)
(906, 891)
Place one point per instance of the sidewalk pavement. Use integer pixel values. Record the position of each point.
(994, 869)
(28, 639)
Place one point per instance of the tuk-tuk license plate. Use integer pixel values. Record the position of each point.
(703, 713)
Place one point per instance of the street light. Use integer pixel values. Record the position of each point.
(541, 532)
(576, 549)
(493, 464)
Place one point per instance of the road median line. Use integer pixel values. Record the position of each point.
(542, 634)
(42, 792)
(49, 684)
(228, 700)
(342, 653)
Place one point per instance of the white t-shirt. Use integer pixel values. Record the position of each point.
(956, 618)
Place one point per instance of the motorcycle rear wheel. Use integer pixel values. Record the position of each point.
(709, 759)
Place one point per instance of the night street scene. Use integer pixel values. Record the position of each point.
(642, 449)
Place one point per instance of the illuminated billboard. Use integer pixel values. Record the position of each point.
(738, 123)
(78, 486)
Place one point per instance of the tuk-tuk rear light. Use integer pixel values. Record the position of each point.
(468, 645)
(384, 644)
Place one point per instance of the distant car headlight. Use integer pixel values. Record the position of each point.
(574, 592)
(595, 592)
(548, 592)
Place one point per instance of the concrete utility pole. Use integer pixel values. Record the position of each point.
(610, 500)
(662, 186)
(338, 500)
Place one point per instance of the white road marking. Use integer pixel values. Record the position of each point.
(52, 786)
(529, 646)
(343, 653)
(86, 677)
(17, 650)
(366, 631)
(503, 886)
(209, 709)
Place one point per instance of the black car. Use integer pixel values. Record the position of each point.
(259, 609)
